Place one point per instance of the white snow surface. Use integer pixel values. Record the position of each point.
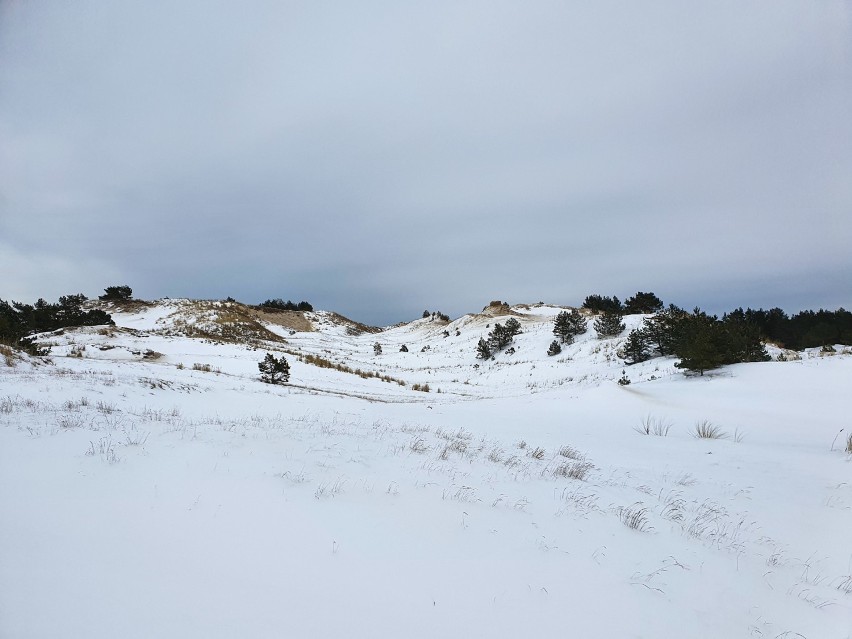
(143, 496)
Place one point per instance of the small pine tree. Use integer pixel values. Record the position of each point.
(274, 370)
(554, 348)
(624, 380)
(513, 327)
(483, 351)
(609, 325)
(636, 348)
(567, 326)
(403, 349)
(377, 349)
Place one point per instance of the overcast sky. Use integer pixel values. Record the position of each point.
(382, 158)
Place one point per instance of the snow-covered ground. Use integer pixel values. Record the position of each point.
(152, 486)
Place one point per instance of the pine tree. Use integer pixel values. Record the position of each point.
(566, 326)
(377, 349)
(117, 293)
(274, 370)
(743, 338)
(664, 330)
(403, 349)
(599, 303)
(636, 348)
(554, 348)
(643, 303)
(500, 337)
(609, 325)
(513, 327)
(483, 351)
(702, 344)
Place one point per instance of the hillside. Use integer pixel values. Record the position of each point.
(160, 489)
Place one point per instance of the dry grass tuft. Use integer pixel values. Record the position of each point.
(634, 516)
(708, 430)
(9, 355)
(654, 426)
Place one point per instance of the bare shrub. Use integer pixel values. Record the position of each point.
(105, 448)
(105, 408)
(136, 438)
(204, 368)
(70, 421)
(418, 445)
(569, 452)
(8, 355)
(849, 443)
(537, 453)
(578, 470)
(708, 430)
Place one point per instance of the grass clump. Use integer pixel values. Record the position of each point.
(634, 517)
(708, 430)
(654, 426)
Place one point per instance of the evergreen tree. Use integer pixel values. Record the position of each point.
(636, 348)
(513, 327)
(663, 330)
(642, 303)
(566, 326)
(554, 348)
(601, 304)
(274, 370)
(609, 325)
(702, 343)
(117, 293)
(483, 351)
(743, 343)
(403, 349)
(377, 349)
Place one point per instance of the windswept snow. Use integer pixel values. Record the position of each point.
(152, 486)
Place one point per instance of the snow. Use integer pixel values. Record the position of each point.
(142, 497)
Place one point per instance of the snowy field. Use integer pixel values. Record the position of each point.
(152, 486)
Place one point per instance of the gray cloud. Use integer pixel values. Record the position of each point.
(380, 158)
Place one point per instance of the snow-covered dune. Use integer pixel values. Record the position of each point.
(153, 486)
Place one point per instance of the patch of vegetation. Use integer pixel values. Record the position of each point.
(322, 362)
(568, 325)
(601, 304)
(708, 430)
(498, 339)
(117, 294)
(280, 305)
(274, 370)
(19, 321)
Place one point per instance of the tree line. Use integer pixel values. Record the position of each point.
(280, 305)
(18, 321)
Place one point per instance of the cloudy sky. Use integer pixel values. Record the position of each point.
(381, 158)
